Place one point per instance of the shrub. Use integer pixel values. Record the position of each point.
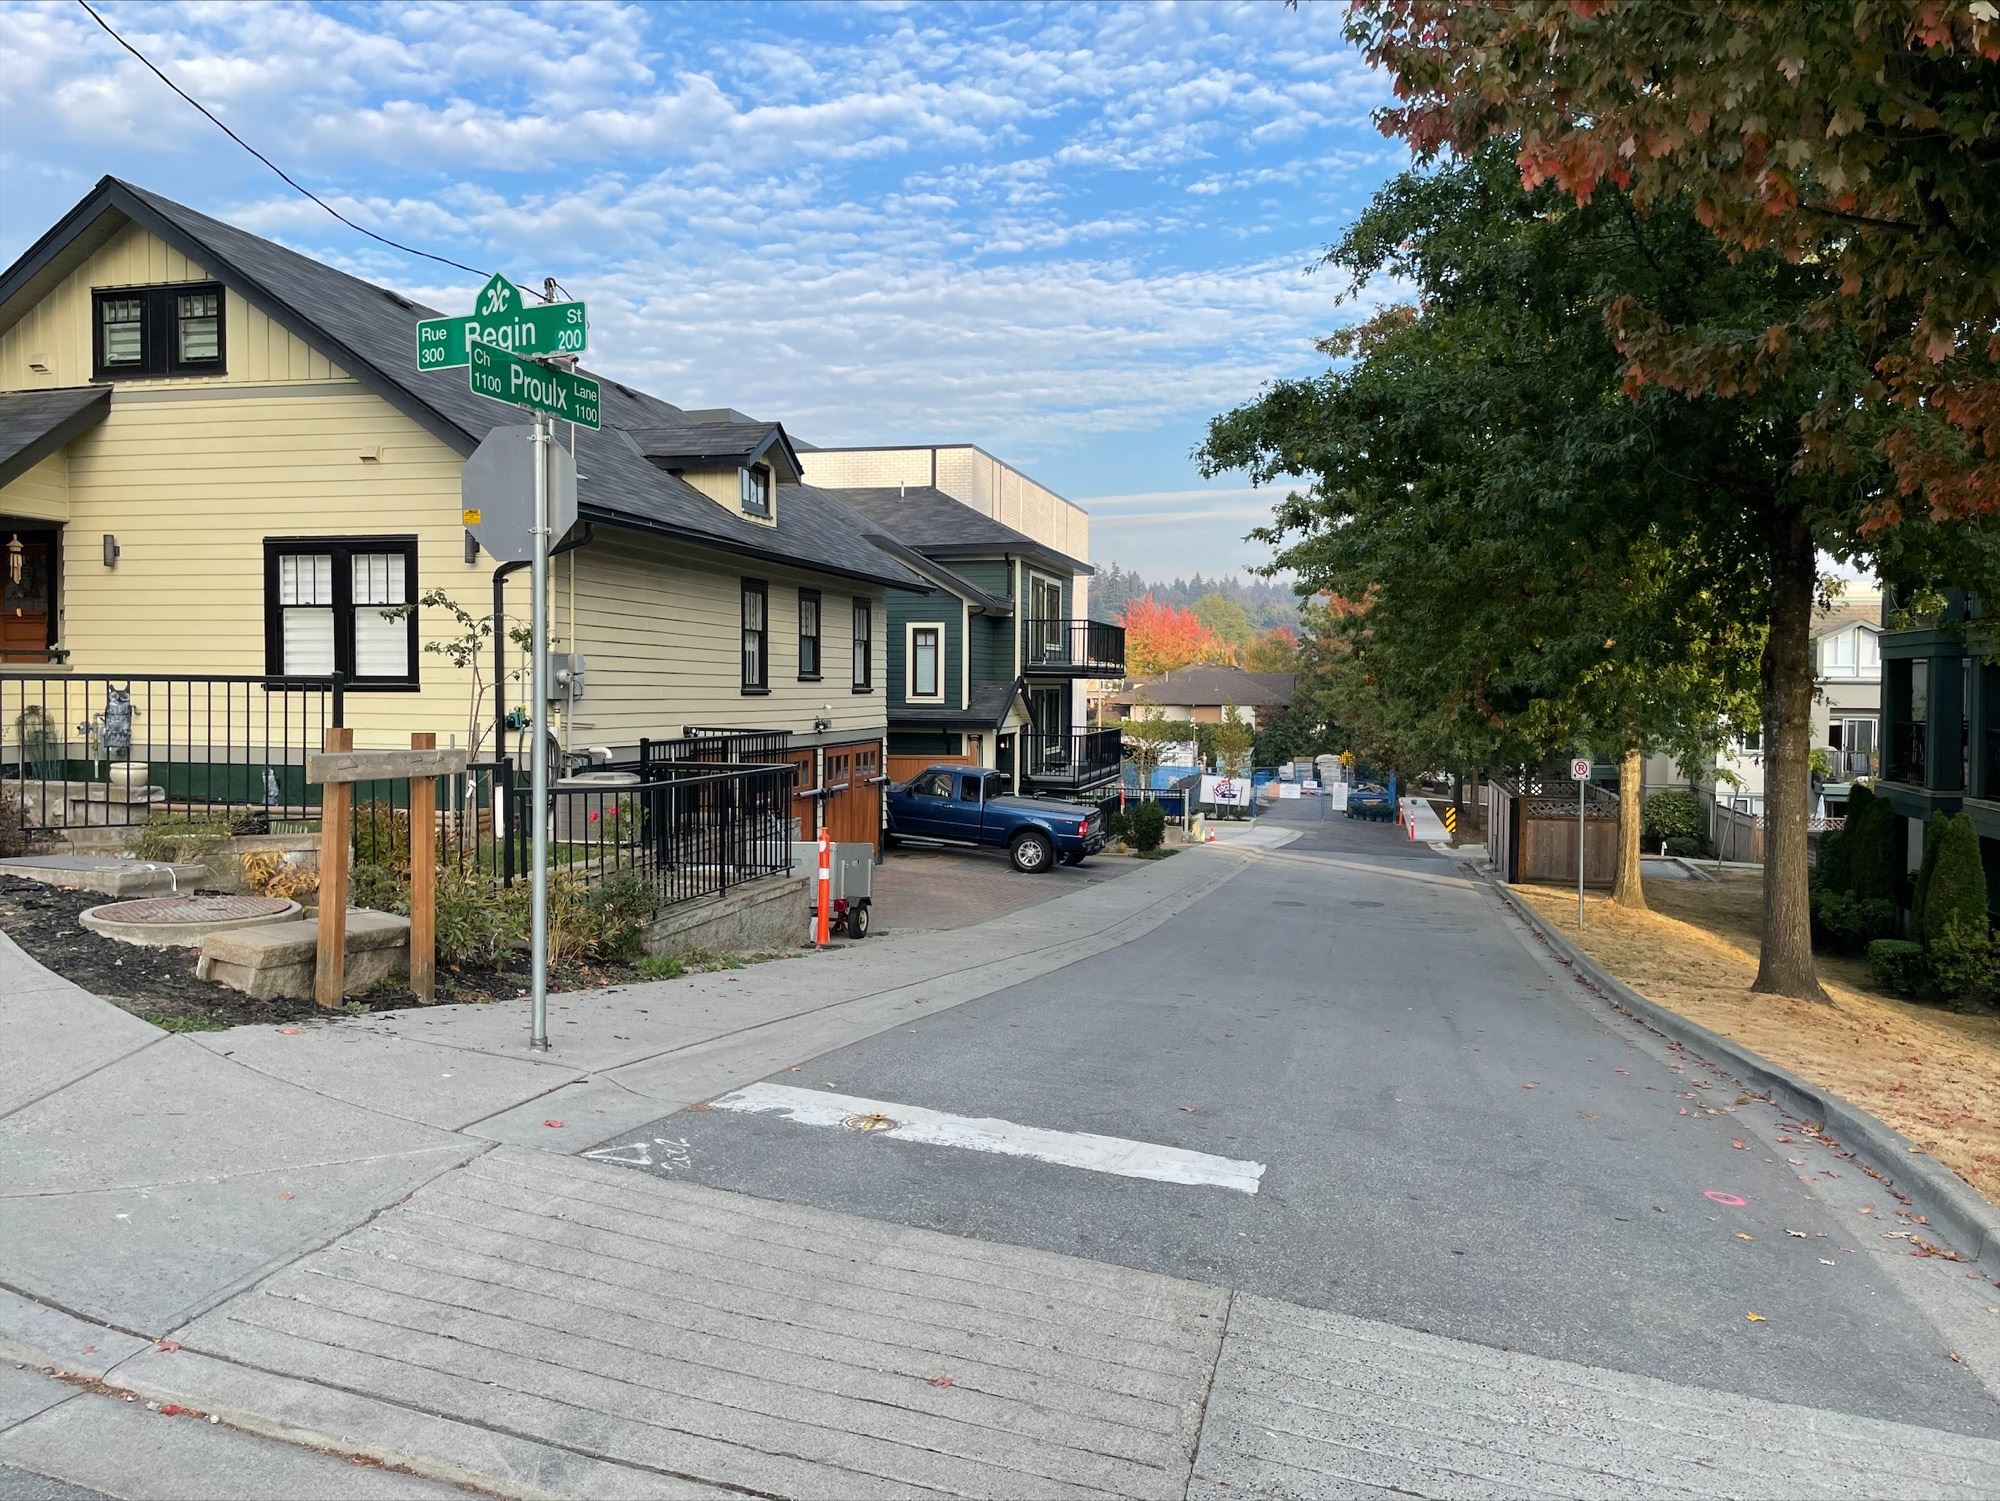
(1874, 869)
(1899, 966)
(1670, 814)
(1116, 823)
(1933, 837)
(268, 873)
(660, 967)
(1965, 964)
(165, 837)
(1145, 827)
(377, 888)
(1687, 846)
(1849, 923)
(620, 906)
(13, 828)
(382, 836)
(1957, 892)
(1830, 862)
(476, 920)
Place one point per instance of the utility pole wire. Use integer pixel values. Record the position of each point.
(442, 260)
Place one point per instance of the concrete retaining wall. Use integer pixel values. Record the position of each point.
(757, 918)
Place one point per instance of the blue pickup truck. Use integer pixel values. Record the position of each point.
(970, 806)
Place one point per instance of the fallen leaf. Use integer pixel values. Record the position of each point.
(1824, 1262)
(1188, 1108)
(1954, 1356)
(166, 1346)
(1784, 1141)
(170, 1409)
(284, 1198)
(288, 1031)
(1796, 1234)
(1741, 1235)
(1527, 1086)
(1866, 1209)
(90, 1349)
(701, 1105)
(1755, 1318)
(1738, 1145)
(556, 1124)
(1621, 1071)
(946, 1380)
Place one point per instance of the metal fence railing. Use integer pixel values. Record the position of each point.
(122, 749)
(689, 830)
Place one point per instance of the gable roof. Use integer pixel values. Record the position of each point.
(709, 444)
(370, 332)
(1848, 609)
(1214, 683)
(937, 573)
(986, 708)
(941, 526)
(34, 424)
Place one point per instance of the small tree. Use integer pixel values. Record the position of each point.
(1147, 738)
(1870, 850)
(1957, 892)
(1145, 827)
(1233, 740)
(1933, 837)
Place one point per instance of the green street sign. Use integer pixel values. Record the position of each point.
(498, 375)
(504, 320)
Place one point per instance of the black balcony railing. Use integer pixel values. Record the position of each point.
(1908, 759)
(121, 749)
(1075, 647)
(1076, 760)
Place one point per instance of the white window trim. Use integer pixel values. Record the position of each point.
(910, 629)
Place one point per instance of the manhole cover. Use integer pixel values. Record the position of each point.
(166, 909)
(869, 1122)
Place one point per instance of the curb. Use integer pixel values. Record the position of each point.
(1953, 1204)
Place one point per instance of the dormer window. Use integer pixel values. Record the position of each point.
(173, 330)
(754, 483)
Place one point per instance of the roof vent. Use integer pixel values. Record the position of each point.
(401, 302)
(621, 386)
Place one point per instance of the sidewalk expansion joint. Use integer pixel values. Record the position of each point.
(257, 1172)
(95, 1069)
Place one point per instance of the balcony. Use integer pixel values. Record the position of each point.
(1072, 648)
(1051, 763)
(1908, 761)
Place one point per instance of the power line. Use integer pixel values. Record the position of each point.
(442, 260)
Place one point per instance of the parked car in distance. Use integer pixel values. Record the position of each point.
(1369, 800)
(968, 805)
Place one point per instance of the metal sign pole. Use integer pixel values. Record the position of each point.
(538, 875)
(1582, 783)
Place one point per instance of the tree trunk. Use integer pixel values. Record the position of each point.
(1785, 966)
(1627, 890)
(1457, 802)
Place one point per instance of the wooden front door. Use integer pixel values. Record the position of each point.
(27, 595)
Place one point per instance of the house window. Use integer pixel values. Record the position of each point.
(342, 604)
(753, 483)
(809, 635)
(1852, 653)
(756, 636)
(864, 646)
(158, 331)
(924, 649)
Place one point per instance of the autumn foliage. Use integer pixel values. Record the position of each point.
(1858, 136)
(1159, 638)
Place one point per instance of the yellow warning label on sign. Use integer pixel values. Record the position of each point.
(473, 515)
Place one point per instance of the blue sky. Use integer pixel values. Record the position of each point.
(1070, 233)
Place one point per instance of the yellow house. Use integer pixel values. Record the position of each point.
(228, 495)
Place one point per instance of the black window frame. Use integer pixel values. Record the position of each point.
(762, 590)
(159, 331)
(818, 669)
(918, 630)
(863, 651)
(764, 482)
(342, 549)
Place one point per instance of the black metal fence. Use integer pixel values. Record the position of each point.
(120, 749)
(1074, 760)
(1909, 753)
(1071, 645)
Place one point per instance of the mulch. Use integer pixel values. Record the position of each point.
(161, 986)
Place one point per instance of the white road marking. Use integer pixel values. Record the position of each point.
(1098, 1154)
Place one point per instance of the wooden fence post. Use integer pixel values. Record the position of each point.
(336, 816)
(423, 878)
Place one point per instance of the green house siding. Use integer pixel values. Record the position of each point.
(992, 650)
(925, 743)
(944, 609)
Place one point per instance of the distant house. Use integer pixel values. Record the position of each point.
(1203, 693)
(982, 669)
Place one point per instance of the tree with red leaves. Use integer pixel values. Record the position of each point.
(1159, 638)
(1858, 136)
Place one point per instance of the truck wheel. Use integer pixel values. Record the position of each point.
(1032, 853)
(1073, 857)
(891, 841)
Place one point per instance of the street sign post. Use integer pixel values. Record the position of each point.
(502, 322)
(1579, 769)
(499, 376)
(505, 321)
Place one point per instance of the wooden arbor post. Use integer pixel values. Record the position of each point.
(335, 771)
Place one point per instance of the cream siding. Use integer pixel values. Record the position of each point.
(968, 475)
(56, 332)
(41, 493)
(725, 489)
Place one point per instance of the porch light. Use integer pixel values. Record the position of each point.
(16, 555)
(110, 551)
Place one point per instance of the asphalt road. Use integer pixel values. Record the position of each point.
(1455, 1138)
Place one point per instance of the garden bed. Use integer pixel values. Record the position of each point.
(1931, 1073)
(160, 985)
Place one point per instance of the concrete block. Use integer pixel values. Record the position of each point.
(278, 960)
(110, 875)
(759, 917)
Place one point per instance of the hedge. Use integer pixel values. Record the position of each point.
(1933, 837)
(1873, 870)
(1957, 892)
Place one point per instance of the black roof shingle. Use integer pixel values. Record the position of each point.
(34, 424)
(941, 526)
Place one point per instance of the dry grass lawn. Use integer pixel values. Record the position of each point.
(1932, 1074)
